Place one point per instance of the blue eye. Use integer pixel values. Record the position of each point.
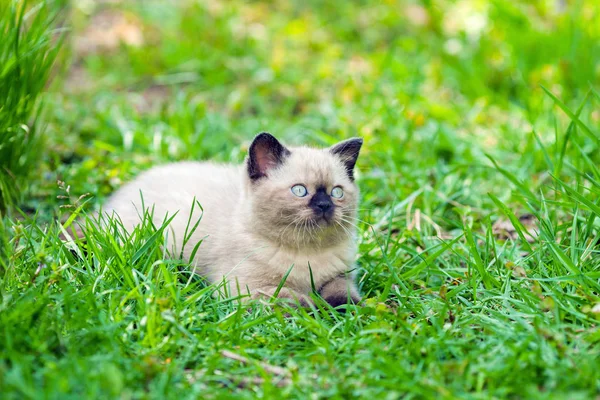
(337, 192)
(299, 190)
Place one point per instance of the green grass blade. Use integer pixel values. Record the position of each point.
(519, 228)
(573, 116)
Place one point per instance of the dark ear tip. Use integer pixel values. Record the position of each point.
(263, 136)
(351, 144)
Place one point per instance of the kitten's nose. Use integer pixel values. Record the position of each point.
(323, 205)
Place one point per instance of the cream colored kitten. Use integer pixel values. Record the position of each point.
(283, 208)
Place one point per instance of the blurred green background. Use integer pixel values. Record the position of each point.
(427, 83)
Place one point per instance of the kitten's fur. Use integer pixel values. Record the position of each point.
(253, 227)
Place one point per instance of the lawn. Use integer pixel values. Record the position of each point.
(479, 234)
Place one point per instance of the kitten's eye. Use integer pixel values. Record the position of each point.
(337, 192)
(299, 190)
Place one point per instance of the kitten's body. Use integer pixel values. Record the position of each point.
(253, 229)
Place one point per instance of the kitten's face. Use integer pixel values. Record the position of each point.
(304, 196)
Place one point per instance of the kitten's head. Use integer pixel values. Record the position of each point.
(303, 196)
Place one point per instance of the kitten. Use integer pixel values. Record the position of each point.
(285, 207)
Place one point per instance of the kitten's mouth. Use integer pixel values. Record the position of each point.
(323, 219)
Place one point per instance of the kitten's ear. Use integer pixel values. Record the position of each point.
(265, 153)
(348, 151)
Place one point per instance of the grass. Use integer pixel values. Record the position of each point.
(28, 49)
(479, 234)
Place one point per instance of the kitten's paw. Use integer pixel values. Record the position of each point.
(340, 291)
(342, 298)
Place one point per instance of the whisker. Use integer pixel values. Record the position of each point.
(349, 222)
(359, 220)
(294, 221)
(346, 231)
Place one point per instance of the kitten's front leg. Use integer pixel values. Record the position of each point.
(284, 293)
(340, 290)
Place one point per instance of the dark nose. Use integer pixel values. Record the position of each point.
(323, 205)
